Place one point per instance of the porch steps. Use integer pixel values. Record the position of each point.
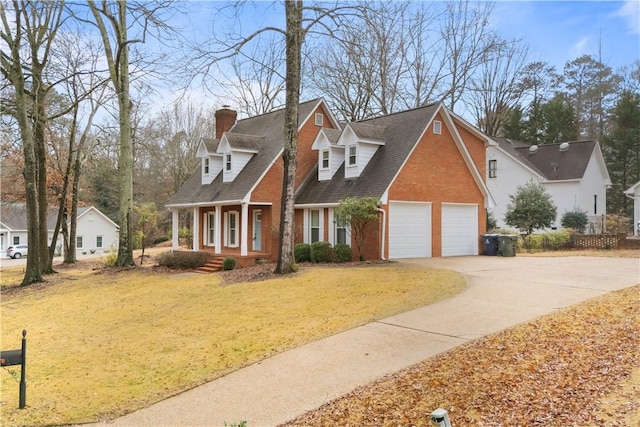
(211, 266)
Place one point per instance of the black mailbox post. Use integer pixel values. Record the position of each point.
(18, 357)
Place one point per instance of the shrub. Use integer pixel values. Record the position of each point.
(342, 253)
(229, 263)
(617, 224)
(160, 239)
(183, 260)
(302, 252)
(575, 219)
(550, 241)
(110, 259)
(320, 252)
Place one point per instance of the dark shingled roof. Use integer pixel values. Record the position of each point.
(549, 161)
(368, 131)
(266, 135)
(244, 142)
(400, 132)
(211, 144)
(333, 135)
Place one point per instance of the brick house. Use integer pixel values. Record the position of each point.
(426, 165)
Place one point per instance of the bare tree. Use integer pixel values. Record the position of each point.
(494, 90)
(467, 39)
(111, 18)
(29, 40)
(256, 80)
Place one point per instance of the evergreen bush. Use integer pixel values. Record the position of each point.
(320, 252)
(342, 253)
(229, 263)
(302, 252)
(576, 220)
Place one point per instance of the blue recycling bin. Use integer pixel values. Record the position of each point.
(490, 244)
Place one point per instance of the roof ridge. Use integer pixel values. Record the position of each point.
(278, 110)
(397, 112)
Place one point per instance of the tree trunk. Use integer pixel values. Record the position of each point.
(39, 120)
(294, 38)
(125, 161)
(118, 61)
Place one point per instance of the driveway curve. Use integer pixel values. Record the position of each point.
(501, 292)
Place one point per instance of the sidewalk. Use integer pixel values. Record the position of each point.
(501, 292)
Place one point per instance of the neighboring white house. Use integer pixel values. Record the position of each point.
(633, 192)
(95, 231)
(573, 173)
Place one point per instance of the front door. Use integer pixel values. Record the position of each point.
(257, 230)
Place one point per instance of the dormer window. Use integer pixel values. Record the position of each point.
(319, 119)
(352, 155)
(227, 162)
(206, 166)
(437, 127)
(325, 159)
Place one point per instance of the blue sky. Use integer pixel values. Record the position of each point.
(558, 31)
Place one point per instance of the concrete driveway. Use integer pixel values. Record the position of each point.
(501, 292)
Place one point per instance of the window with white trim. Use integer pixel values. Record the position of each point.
(16, 240)
(325, 159)
(206, 166)
(79, 242)
(493, 168)
(437, 127)
(232, 229)
(341, 235)
(319, 119)
(99, 242)
(352, 155)
(314, 226)
(211, 228)
(227, 162)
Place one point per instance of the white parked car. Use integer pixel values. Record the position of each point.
(17, 251)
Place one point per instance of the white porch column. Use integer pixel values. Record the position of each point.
(245, 230)
(218, 236)
(196, 229)
(174, 230)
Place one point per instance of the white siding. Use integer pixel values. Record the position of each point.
(238, 162)
(92, 224)
(459, 229)
(510, 174)
(364, 153)
(409, 230)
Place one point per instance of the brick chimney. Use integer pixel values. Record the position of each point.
(225, 119)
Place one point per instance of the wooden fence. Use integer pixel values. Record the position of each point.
(603, 241)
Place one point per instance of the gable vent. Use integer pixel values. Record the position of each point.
(564, 146)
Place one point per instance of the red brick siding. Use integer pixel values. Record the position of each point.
(436, 172)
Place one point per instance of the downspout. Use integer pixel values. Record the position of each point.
(384, 223)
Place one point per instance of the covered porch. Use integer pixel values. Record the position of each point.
(239, 230)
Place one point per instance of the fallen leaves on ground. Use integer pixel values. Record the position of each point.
(576, 367)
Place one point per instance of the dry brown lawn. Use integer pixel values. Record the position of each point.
(102, 343)
(577, 367)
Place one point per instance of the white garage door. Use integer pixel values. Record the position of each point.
(409, 230)
(459, 230)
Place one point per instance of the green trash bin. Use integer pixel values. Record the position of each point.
(507, 245)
